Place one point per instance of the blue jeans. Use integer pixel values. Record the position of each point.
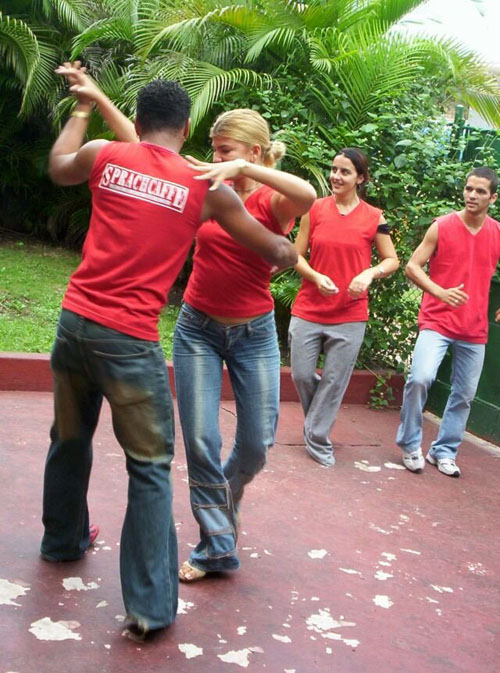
(467, 363)
(251, 353)
(90, 361)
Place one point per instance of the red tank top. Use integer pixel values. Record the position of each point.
(146, 210)
(228, 279)
(462, 257)
(340, 247)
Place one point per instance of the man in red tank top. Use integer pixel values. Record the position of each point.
(147, 208)
(462, 249)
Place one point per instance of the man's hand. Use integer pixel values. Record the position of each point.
(325, 285)
(80, 84)
(219, 172)
(454, 296)
(497, 315)
(360, 284)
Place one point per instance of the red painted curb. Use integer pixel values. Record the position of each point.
(31, 371)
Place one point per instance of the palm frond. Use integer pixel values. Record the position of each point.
(18, 47)
(73, 14)
(107, 31)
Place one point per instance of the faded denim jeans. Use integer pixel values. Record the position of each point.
(467, 364)
(90, 361)
(251, 354)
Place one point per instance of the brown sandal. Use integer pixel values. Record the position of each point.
(188, 573)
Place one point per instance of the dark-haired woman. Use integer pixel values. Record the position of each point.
(331, 309)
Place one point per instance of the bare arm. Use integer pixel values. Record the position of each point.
(87, 92)
(324, 284)
(70, 163)
(294, 196)
(224, 206)
(453, 296)
(389, 263)
(497, 315)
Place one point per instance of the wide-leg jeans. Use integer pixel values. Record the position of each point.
(252, 356)
(467, 363)
(90, 361)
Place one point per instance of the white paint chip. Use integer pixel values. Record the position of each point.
(388, 556)
(46, 629)
(77, 584)
(350, 571)
(282, 639)
(9, 591)
(381, 575)
(411, 551)
(382, 601)
(477, 568)
(317, 553)
(102, 604)
(239, 657)
(241, 630)
(184, 606)
(351, 642)
(380, 530)
(442, 590)
(190, 651)
(394, 466)
(366, 468)
(323, 621)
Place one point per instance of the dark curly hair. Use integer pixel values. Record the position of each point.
(162, 104)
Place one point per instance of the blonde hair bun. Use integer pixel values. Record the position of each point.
(249, 127)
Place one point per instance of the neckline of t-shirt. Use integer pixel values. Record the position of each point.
(350, 212)
(474, 235)
(162, 148)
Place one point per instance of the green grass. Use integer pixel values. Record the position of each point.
(33, 279)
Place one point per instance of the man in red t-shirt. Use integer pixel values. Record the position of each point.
(462, 249)
(147, 206)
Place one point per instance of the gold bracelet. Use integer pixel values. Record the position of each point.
(81, 114)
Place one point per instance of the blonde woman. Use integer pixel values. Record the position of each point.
(227, 317)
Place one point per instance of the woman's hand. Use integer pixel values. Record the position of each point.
(219, 172)
(325, 285)
(81, 85)
(360, 284)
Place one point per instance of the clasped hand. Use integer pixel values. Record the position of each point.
(80, 84)
(360, 284)
(325, 285)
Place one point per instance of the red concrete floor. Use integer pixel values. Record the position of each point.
(363, 568)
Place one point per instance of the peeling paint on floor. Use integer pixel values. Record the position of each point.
(365, 467)
(282, 639)
(77, 584)
(442, 590)
(46, 629)
(190, 651)
(239, 657)
(184, 606)
(382, 601)
(317, 553)
(394, 466)
(9, 591)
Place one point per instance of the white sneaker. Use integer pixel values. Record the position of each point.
(447, 466)
(414, 461)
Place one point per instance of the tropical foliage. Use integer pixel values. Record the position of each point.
(325, 73)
